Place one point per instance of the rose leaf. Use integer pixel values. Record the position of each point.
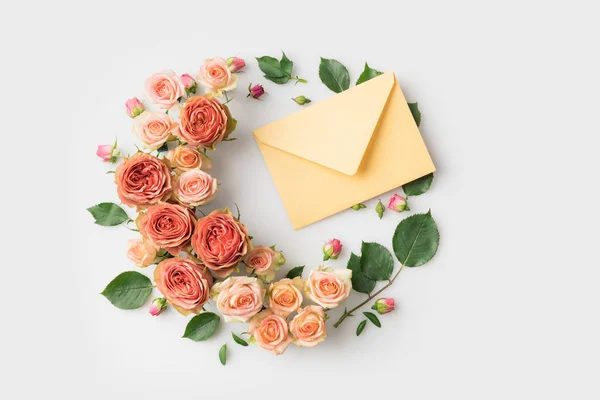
(416, 240)
(376, 262)
(128, 291)
(202, 326)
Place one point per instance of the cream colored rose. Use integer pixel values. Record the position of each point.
(329, 287)
(270, 331)
(238, 298)
(194, 188)
(285, 296)
(141, 252)
(264, 261)
(216, 76)
(153, 129)
(308, 326)
(164, 89)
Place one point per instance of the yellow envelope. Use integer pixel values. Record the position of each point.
(344, 150)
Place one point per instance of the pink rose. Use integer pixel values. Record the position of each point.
(384, 305)
(187, 158)
(143, 180)
(270, 331)
(220, 241)
(235, 64)
(134, 107)
(189, 83)
(164, 89)
(238, 298)
(194, 188)
(285, 296)
(329, 287)
(204, 122)
(185, 284)
(398, 203)
(308, 326)
(216, 76)
(332, 249)
(265, 261)
(255, 91)
(154, 128)
(169, 226)
(158, 306)
(105, 152)
(141, 252)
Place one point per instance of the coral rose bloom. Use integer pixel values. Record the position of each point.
(186, 158)
(143, 180)
(216, 76)
(204, 121)
(194, 188)
(154, 128)
(270, 331)
(220, 241)
(329, 287)
(308, 326)
(184, 284)
(238, 298)
(264, 261)
(169, 226)
(164, 89)
(285, 296)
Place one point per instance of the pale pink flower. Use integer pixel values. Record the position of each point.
(216, 76)
(332, 249)
(398, 203)
(141, 252)
(134, 107)
(384, 305)
(158, 306)
(164, 89)
(308, 326)
(154, 128)
(238, 298)
(235, 64)
(329, 287)
(264, 261)
(194, 188)
(285, 296)
(189, 83)
(270, 331)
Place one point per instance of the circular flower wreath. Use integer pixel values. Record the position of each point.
(198, 258)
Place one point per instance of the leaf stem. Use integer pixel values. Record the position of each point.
(371, 297)
(300, 80)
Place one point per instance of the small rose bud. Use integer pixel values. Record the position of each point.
(384, 306)
(235, 64)
(158, 306)
(301, 100)
(358, 206)
(108, 152)
(134, 107)
(255, 91)
(398, 203)
(332, 249)
(189, 83)
(380, 209)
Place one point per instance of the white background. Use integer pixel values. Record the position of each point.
(509, 93)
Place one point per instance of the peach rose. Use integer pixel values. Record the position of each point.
(220, 241)
(169, 226)
(164, 89)
(187, 158)
(308, 326)
(154, 128)
(204, 122)
(238, 298)
(265, 261)
(216, 76)
(143, 180)
(285, 296)
(270, 331)
(194, 188)
(329, 287)
(185, 284)
(141, 252)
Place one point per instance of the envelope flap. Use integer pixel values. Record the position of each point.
(335, 132)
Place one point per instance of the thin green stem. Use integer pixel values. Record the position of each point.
(371, 297)
(300, 80)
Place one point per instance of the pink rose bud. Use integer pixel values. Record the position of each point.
(255, 91)
(158, 306)
(332, 249)
(189, 83)
(235, 64)
(134, 107)
(108, 152)
(398, 203)
(384, 306)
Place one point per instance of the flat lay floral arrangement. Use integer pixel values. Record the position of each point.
(201, 255)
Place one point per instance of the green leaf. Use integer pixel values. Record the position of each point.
(280, 80)
(295, 272)
(414, 109)
(418, 186)
(373, 318)
(164, 147)
(223, 354)
(239, 340)
(361, 327)
(334, 75)
(286, 64)
(128, 291)
(202, 326)
(360, 282)
(108, 214)
(416, 240)
(367, 74)
(376, 262)
(271, 67)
